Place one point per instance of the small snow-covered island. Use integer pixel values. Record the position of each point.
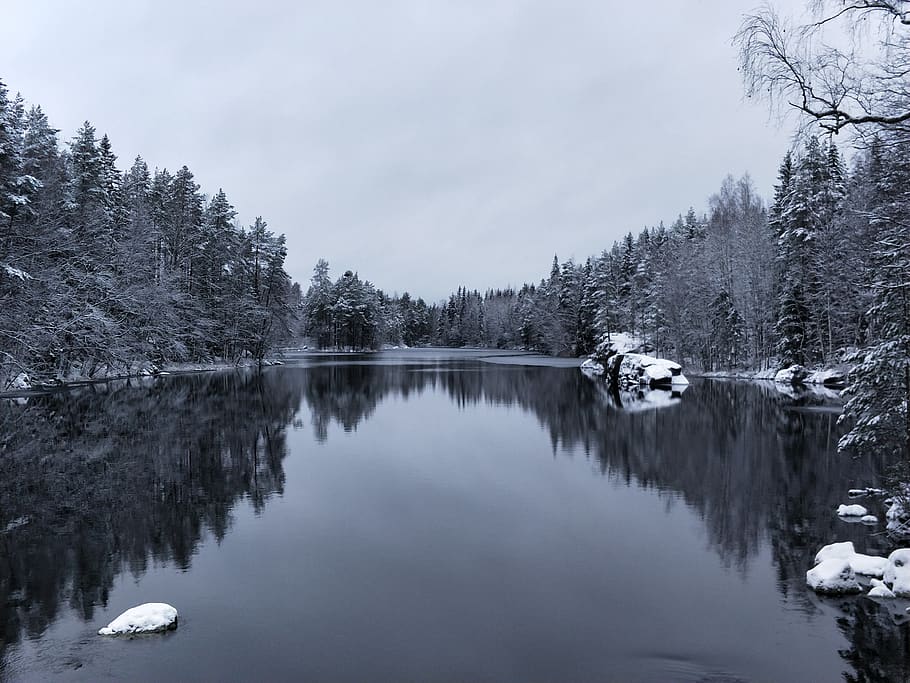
(623, 360)
(150, 617)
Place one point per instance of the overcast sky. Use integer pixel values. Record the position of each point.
(425, 144)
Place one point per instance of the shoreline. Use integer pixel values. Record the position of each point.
(170, 370)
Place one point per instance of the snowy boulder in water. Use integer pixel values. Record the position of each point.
(795, 374)
(852, 511)
(833, 576)
(868, 565)
(869, 519)
(152, 617)
(840, 551)
(897, 572)
(880, 590)
(868, 491)
(636, 369)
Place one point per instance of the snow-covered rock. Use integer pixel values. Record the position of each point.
(833, 576)
(636, 369)
(795, 374)
(869, 519)
(852, 511)
(840, 551)
(592, 367)
(150, 617)
(868, 565)
(897, 572)
(880, 590)
(868, 491)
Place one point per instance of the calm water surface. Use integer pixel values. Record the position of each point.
(431, 516)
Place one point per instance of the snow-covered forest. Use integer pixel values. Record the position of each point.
(104, 271)
(818, 273)
(742, 285)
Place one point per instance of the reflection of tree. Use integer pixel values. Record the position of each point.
(110, 477)
(755, 464)
(879, 640)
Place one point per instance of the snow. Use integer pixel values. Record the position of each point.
(880, 590)
(833, 576)
(869, 519)
(897, 572)
(20, 382)
(840, 551)
(620, 342)
(868, 491)
(15, 272)
(593, 367)
(792, 375)
(637, 368)
(147, 618)
(15, 524)
(657, 373)
(897, 517)
(852, 511)
(868, 565)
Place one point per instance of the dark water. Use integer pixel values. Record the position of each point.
(428, 516)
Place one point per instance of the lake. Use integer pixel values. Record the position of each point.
(432, 515)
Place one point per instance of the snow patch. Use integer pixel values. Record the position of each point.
(20, 382)
(639, 369)
(852, 511)
(795, 374)
(869, 519)
(150, 617)
(880, 590)
(591, 366)
(897, 517)
(833, 576)
(839, 551)
(17, 273)
(897, 572)
(868, 565)
(868, 491)
(620, 342)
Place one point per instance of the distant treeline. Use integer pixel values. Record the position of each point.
(102, 269)
(743, 285)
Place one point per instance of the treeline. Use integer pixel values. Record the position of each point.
(742, 285)
(103, 270)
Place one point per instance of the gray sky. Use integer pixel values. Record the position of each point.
(424, 143)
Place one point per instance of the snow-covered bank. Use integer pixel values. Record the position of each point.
(151, 617)
(832, 378)
(23, 385)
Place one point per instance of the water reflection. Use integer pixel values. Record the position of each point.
(111, 478)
